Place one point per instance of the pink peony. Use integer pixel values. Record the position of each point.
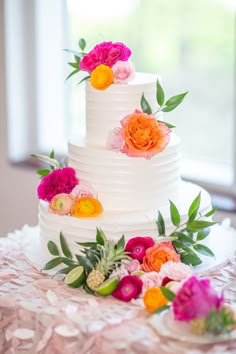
(150, 280)
(58, 181)
(137, 247)
(83, 189)
(195, 299)
(123, 72)
(128, 288)
(175, 271)
(106, 53)
(61, 204)
(115, 140)
(126, 267)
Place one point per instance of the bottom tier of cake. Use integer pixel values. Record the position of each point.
(114, 225)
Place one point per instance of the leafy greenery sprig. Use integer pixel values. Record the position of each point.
(53, 163)
(164, 105)
(186, 235)
(77, 56)
(90, 254)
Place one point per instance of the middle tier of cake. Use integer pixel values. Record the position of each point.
(128, 184)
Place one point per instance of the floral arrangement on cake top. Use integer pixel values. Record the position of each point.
(141, 134)
(64, 192)
(107, 63)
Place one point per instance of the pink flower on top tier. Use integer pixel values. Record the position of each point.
(83, 189)
(137, 247)
(58, 181)
(128, 288)
(106, 53)
(115, 140)
(61, 204)
(123, 72)
(195, 299)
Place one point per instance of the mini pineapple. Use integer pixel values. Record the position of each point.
(110, 255)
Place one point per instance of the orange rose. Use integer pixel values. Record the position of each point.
(157, 255)
(154, 299)
(86, 207)
(101, 77)
(144, 136)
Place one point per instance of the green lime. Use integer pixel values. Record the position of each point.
(108, 286)
(76, 277)
(139, 273)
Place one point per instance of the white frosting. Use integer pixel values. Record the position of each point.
(105, 109)
(128, 184)
(115, 224)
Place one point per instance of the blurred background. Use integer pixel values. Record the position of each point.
(190, 44)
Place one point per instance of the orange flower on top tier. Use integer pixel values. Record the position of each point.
(102, 77)
(157, 255)
(86, 207)
(143, 135)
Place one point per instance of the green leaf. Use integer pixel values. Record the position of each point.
(169, 295)
(65, 270)
(100, 237)
(69, 262)
(64, 246)
(43, 172)
(161, 309)
(192, 259)
(174, 213)
(53, 263)
(167, 124)
(201, 235)
(83, 79)
(52, 247)
(180, 246)
(86, 263)
(160, 94)
(203, 250)
(211, 212)
(196, 225)
(87, 244)
(82, 43)
(175, 100)
(194, 207)
(52, 154)
(72, 73)
(186, 240)
(77, 59)
(91, 255)
(160, 224)
(145, 105)
(121, 242)
(46, 159)
(74, 65)
(74, 52)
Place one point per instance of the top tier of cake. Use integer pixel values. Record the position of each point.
(106, 108)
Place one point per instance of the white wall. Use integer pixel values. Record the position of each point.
(18, 200)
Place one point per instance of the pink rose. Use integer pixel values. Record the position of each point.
(61, 204)
(150, 280)
(106, 53)
(83, 189)
(128, 288)
(175, 271)
(137, 247)
(123, 72)
(133, 266)
(115, 140)
(195, 299)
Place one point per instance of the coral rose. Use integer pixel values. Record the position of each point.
(101, 77)
(154, 299)
(61, 204)
(144, 136)
(158, 255)
(86, 207)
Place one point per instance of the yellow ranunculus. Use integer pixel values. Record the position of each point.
(86, 207)
(101, 77)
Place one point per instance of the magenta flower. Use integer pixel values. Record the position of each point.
(195, 299)
(62, 180)
(128, 288)
(106, 53)
(137, 247)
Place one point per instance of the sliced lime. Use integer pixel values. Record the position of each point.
(108, 286)
(76, 277)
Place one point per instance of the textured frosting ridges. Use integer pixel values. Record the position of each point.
(105, 109)
(128, 184)
(114, 225)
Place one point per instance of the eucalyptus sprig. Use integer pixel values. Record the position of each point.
(51, 161)
(187, 234)
(77, 58)
(164, 105)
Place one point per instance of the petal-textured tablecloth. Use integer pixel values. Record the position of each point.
(39, 314)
